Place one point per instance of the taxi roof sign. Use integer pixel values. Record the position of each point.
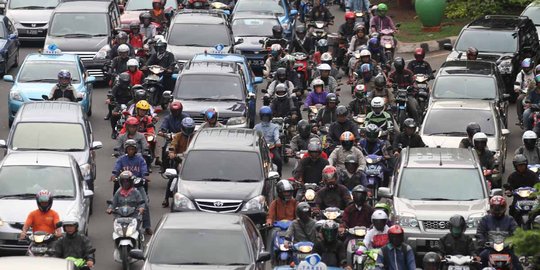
(52, 49)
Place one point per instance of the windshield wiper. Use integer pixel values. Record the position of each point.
(191, 45)
(192, 263)
(227, 99)
(435, 199)
(233, 264)
(71, 150)
(32, 7)
(41, 149)
(63, 196)
(41, 80)
(21, 195)
(451, 133)
(75, 35)
(248, 180)
(197, 99)
(216, 180)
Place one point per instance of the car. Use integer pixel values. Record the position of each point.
(36, 263)
(84, 28)
(22, 175)
(503, 39)
(281, 8)
(533, 12)
(471, 80)
(134, 8)
(240, 180)
(30, 18)
(57, 126)
(9, 45)
(202, 85)
(251, 80)
(198, 31)
(429, 185)
(253, 28)
(231, 240)
(446, 121)
(39, 74)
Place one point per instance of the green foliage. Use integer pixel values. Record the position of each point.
(476, 8)
(523, 240)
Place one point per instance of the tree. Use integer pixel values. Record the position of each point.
(476, 8)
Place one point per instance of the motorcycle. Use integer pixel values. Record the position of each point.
(319, 30)
(364, 259)
(301, 65)
(459, 262)
(525, 202)
(127, 234)
(282, 254)
(402, 96)
(375, 174)
(314, 111)
(386, 37)
(499, 256)
(310, 192)
(356, 240)
(40, 244)
(153, 83)
(421, 92)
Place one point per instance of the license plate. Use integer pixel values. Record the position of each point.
(302, 256)
(256, 62)
(31, 32)
(432, 243)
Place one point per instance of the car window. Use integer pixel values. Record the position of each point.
(257, 27)
(465, 87)
(31, 179)
(47, 71)
(199, 35)
(214, 87)
(79, 24)
(441, 184)
(533, 12)
(33, 4)
(253, 237)
(452, 122)
(227, 165)
(499, 41)
(137, 5)
(10, 27)
(48, 136)
(265, 6)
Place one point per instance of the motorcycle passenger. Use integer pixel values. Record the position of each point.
(43, 219)
(521, 177)
(328, 115)
(148, 30)
(303, 228)
(318, 95)
(381, 21)
(496, 221)
(282, 208)
(146, 122)
(419, 65)
(136, 39)
(271, 64)
(135, 74)
(472, 53)
(337, 157)
(333, 251)
(396, 255)
(332, 194)
(64, 90)
(351, 177)
(158, 13)
(380, 90)
(432, 261)
(271, 134)
(530, 147)
(359, 212)
(301, 140)
(472, 128)
(359, 103)
(377, 236)
(379, 116)
(211, 117)
(456, 242)
(523, 85)
(120, 94)
(120, 39)
(165, 59)
(74, 245)
(404, 79)
(377, 54)
(280, 78)
(119, 62)
(408, 138)
(487, 160)
(310, 169)
(359, 39)
(342, 124)
(331, 85)
(284, 105)
(132, 133)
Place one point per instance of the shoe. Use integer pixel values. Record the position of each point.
(107, 117)
(148, 231)
(165, 203)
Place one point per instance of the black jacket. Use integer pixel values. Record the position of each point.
(338, 197)
(78, 246)
(121, 94)
(486, 159)
(420, 67)
(517, 180)
(119, 65)
(332, 254)
(463, 245)
(167, 61)
(326, 116)
(408, 141)
(114, 51)
(320, 13)
(311, 170)
(346, 30)
(283, 107)
(336, 129)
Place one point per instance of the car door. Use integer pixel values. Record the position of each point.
(84, 205)
(255, 242)
(12, 42)
(502, 103)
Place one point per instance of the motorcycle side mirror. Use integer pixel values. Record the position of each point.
(109, 201)
(258, 80)
(264, 256)
(496, 192)
(447, 46)
(79, 99)
(136, 254)
(170, 173)
(45, 97)
(96, 145)
(88, 193)
(505, 132)
(384, 192)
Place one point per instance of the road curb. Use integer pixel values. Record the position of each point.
(428, 46)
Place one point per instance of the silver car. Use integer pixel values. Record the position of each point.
(31, 17)
(22, 175)
(429, 186)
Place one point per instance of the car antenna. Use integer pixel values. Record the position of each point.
(440, 156)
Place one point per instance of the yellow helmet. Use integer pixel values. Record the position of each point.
(143, 105)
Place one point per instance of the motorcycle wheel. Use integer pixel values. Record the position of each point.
(124, 255)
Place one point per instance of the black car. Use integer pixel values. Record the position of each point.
(204, 241)
(226, 171)
(504, 40)
(9, 45)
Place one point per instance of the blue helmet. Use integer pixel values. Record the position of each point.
(211, 113)
(188, 126)
(265, 111)
(373, 42)
(526, 63)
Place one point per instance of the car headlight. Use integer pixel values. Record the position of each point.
(1, 222)
(505, 66)
(183, 202)
(407, 220)
(474, 219)
(256, 204)
(234, 121)
(86, 170)
(15, 95)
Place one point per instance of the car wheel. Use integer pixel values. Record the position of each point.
(10, 123)
(16, 62)
(89, 113)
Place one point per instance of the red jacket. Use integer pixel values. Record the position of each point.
(352, 217)
(145, 125)
(136, 77)
(136, 41)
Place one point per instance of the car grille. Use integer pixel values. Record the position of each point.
(488, 57)
(86, 56)
(199, 119)
(435, 224)
(98, 73)
(219, 206)
(33, 25)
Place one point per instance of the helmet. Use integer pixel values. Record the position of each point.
(124, 79)
(70, 222)
(383, 206)
(326, 57)
(300, 29)
(64, 77)
(342, 110)
(176, 107)
(359, 194)
(304, 128)
(143, 105)
(211, 113)
(145, 15)
(410, 123)
(473, 128)
(395, 235)
(359, 91)
(431, 261)
(140, 92)
(472, 53)
(457, 225)
(276, 47)
(372, 132)
(160, 46)
(419, 54)
(132, 121)
(265, 111)
(303, 211)
(479, 139)
(382, 9)
(347, 140)
(134, 26)
(377, 102)
(282, 187)
(44, 200)
(324, 67)
(529, 139)
(317, 82)
(314, 146)
(329, 172)
(349, 15)
(520, 159)
(281, 74)
(365, 53)
(123, 48)
(130, 143)
(537, 69)
(133, 63)
(329, 231)
(277, 30)
(188, 126)
(359, 28)
(121, 35)
(126, 179)
(497, 205)
(331, 97)
(399, 63)
(351, 159)
(322, 43)
(379, 81)
(537, 78)
(379, 218)
(527, 63)
(373, 42)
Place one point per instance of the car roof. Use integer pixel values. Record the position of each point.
(50, 111)
(218, 67)
(239, 139)
(203, 221)
(462, 104)
(498, 22)
(217, 57)
(440, 158)
(34, 263)
(467, 67)
(254, 15)
(84, 6)
(199, 17)
(39, 158)
(48, 57)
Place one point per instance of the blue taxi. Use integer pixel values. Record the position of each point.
(39, 73)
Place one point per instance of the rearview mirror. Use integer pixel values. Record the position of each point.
(447, 46)
(136, 254)
(256, 80)
(293, 13)
(88, 193)
(170, 173)
(384, 192)
(505, 132)
(3, 144)
(12, 36)
(90, 79)
(8, 78)
(96, 145)
(264, 256)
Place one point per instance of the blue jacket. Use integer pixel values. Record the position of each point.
(171, 124)
(136, 165)
(489, 223)
(314, 98)
(270, 132)
(396, 260)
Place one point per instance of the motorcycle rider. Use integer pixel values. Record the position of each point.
(375, 48)
(317, 96)
(359, 39)
(380, 90)
(523, 85)
(396, 255)
(372, 145)
(119, 62)
(301, 140)
(404, 79)
(132, 133)
(331, 85)
(165, 59)
(171, 125)
(408, 138)
(431, 261)
(332, 194)
(158, 13)
(342, 124)
(472, 128)
(280, 78)
(328, 115)
(337, 157)
(351, 176)
(211, 117)
(120, 94)
(346, 30)
(64, 89)
(146, 122)
(377, 236)
(310, 169)
(419, 65)
(379, 116)
(302, 41)
(327, 58)
(135, 74)
(281, 208)
(333, 251)
(136, 39)
(456, 242)
(44, 218)
(320, 13)
(120, 39)
(130, 161)
(472, 53)
(74, 244)
(277, 38)
(532, 103)
(271, 64)
(284, 105)
(271, 134)
(148, 30)
(359, 103)
(530, 147)
(359, 212)
(487, 160)
(381, 21)
(127, 194)
(303, 228)
(521, 177)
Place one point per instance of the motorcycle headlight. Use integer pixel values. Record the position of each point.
(132, 227)
(256, 204)
(86, 170)
(474, 219)
(183, 202)
(39, 238)
(407, 220)
(150, 138)
(388, 46)
(498, 247)
(305, 249)
(369, 160)
(15, 95)
(282, 247)
(331, 215)
(524, 193)
(310, 194)
(235, 121)
(505, 66)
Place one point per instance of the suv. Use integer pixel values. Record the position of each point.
(429, 186)
(215, 84)
(236, 179)
(502, 39)
(478, 80)
(83, 28)
(533, 12)
(31, 18)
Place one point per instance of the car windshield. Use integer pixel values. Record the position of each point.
(471, 87)
(133, 5)
(212, 247)
(47, 71)
(213, 87)
(31, 179)
(499, 41)
(454, 121)
(199, 35)
(33, 4)
(226, 165)
(272, 6)
(48, 136)
(253, 27)
(441, 184)
(533, 13)
(79, 25)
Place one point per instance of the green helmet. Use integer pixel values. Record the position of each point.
(385, 207)
(382, 9)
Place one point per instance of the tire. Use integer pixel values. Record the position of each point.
(16, 62)
(89, 113)
(124, 255)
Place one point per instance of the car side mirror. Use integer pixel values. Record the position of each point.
(257, 80)
(88, 193)
(12, 36)
(90, 79)
(136, 254)
(45, 97)
(447, 46)
(96, 145)
(3, 4)
(496, 192)
(3, 144)
(8, 78)
(384, 192)
(505, 132)
(293, 13)
(264, 256)
(170, 173)
(238, 41)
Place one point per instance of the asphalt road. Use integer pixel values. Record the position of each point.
(100, 230)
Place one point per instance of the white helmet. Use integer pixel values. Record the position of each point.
(317, 82)
(479, 137)
(132, 63)
(275, 47)
(324, 67)
(529, 135)
(377, 102)
(378, 214)
(365, 53)
(123, 48)
(326, 57)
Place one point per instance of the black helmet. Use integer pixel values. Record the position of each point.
(124, 79)
(520, 159)
(160, 46)
(457, 225)
(410, 123)
(140, 92)
(379, 81)
(282, 187)
(329, 231)
(359, 194)
(145, 15)
(304, 128)
(134, 26)
(472, 53)
(372, 132)
(130, 143)
(303, 211)
(44, 200)
(399, 63)
(342, 110)
(322, 45)
(351, 159)
(277, 31)
(121, 35)
(431, 261)
(300, 29)
(331, 97)
(473, 128)
(281, 74)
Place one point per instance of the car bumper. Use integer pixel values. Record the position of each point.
(426, 241)
(9, 239)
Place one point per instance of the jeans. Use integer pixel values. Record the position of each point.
(146, 215)
(527, 119)
(276, 151)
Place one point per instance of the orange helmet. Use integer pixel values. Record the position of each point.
(347, 136)
(132, 121)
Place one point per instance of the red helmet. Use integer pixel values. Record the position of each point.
(132, 121)
(176, 106)
(497, 205)
(419, 54)
(395, 229)
(329, 172)
(349, 15)
(396, 236)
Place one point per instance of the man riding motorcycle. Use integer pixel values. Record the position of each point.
(396, 255)
(135, 74)
(408, 138)
(121, 93)
(532, 103)
(148, 30)
(119, 62)
(328, 115)
(372, 145)
(523, 85)
(171, 125)
(380, 90)
(472, 128)
(487, 161)
(331, 84)
(310, 169)
(456, 242)
(271, 63)
(404, 79)
(132, 133)
(351, 176)
(158, 13)
(381, 21)
(271, 134)
(165, 59)
(377, 236)
(379, 116)
(332, 194)
(277, 38)
(127, 194)
(358, 40)
(281, 208)
(359, 212)
(342, 124)
(303, 228)
(74, 245)
(346, 30)
(280, 78)
(333, 251)
(419, 65)
(136, 39)
(320, 13)
(337, 157)
(521, 177)
(301, 140)
(317, 96)
(43, 219)
(284, 105)
(530, 147)
(64, 90)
